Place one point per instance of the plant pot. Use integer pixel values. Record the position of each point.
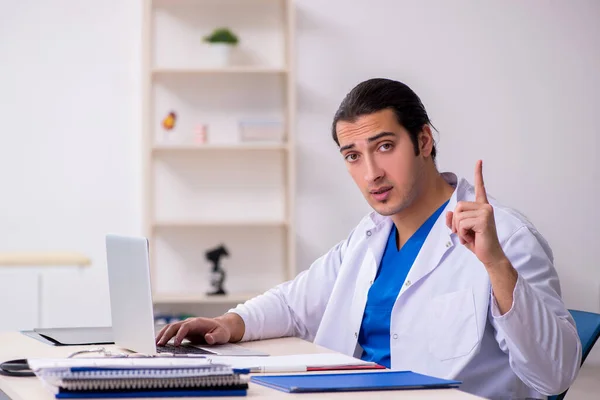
(220, 54)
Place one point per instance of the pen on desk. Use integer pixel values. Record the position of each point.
(274, 368)
(190, 355)
(176, 355)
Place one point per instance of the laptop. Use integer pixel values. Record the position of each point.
(132, 307)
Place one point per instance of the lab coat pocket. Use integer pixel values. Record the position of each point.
(452, 324)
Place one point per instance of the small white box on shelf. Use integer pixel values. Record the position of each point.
(200, 134)
(261, 130)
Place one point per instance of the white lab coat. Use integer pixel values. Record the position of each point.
(445, 321)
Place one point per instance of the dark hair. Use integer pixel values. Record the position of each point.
(379, 94)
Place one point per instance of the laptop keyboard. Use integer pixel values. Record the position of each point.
(182, 349)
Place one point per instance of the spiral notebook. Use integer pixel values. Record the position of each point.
(122, 379)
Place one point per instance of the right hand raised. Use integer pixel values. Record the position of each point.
(209, 330)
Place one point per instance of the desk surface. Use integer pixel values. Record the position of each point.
(15, 345)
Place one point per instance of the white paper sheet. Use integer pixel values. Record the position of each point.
(124, 362)
(290, 363)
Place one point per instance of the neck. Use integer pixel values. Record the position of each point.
(433, 192)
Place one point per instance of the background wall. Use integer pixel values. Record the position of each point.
(69, 145)
(514, 83)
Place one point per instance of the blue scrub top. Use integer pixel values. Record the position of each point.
(374, 335)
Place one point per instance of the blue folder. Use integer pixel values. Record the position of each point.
(364, 381)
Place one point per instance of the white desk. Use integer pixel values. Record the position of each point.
(15, 345)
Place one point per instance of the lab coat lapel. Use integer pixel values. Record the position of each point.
(437, 244)
(376, 241)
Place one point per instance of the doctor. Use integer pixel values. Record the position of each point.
(439, 279)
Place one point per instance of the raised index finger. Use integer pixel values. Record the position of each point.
(480, 195)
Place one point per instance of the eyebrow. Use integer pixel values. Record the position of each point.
(371, 139)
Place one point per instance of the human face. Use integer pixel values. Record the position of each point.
(380, 156)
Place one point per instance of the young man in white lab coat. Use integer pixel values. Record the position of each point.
(439, 279)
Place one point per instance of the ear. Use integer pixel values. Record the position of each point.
(425, 141)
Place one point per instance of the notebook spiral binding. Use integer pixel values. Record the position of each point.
(153, 383)
(86, 379)
(120, 373)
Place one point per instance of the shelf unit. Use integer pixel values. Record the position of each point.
(204, 299)
(220, 223)
(227, 70)
(224, 191)
(222, 147)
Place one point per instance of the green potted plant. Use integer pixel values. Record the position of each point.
(221, 41)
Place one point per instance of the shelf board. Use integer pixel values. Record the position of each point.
(223, 223)
(220, 147)
(166, 3)
(41, 258)
(202, 298)
(224, 70)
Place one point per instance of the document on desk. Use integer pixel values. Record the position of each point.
(117, 362)
(262, 364)
(296, 363)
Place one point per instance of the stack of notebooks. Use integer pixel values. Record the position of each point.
(129, 378)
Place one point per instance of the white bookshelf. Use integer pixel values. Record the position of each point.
(249, 70)
(225, 191)
(203, 299)
(218, 223)
(222, 147)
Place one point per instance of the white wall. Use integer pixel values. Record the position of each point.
(514, 83)
(69, 144)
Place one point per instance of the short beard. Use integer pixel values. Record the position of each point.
(405, 203)
(410, 196)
